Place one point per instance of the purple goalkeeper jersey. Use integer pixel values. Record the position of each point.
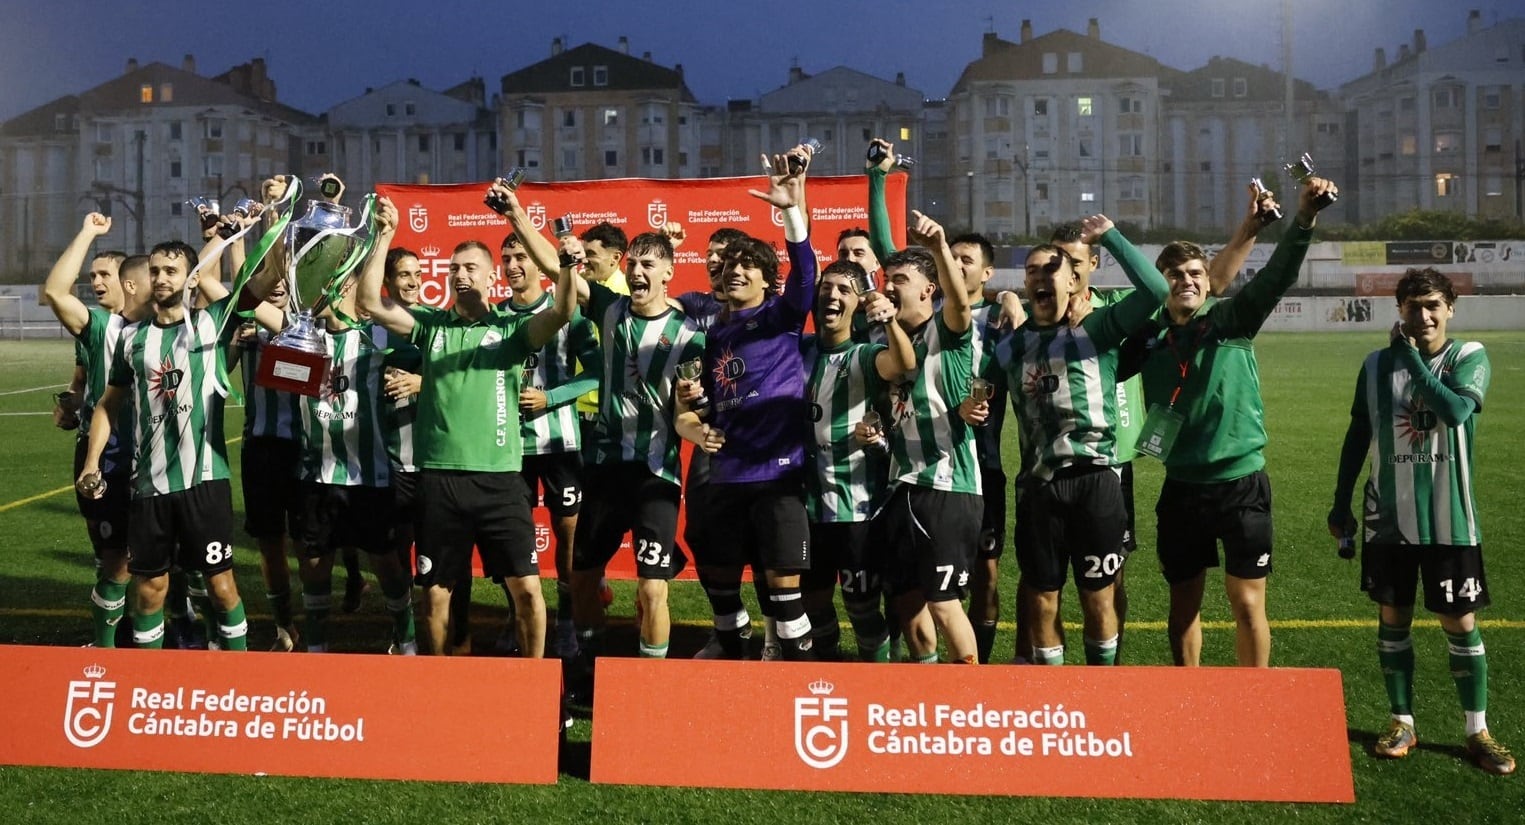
(755, 379)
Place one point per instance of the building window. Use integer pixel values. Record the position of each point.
(529, 158)
(577, 78)
(317, 147)
(176, 170)
(212, 165)
(391, 110)
(1446, 142)
(103, 168)
(998, 106)
(1218, 87)
(682, 159)
(176, 209)
(166, 92)
(1445, 185)
(1130, 189)
(1072, 62)
(1492, 98)
(1040, 191)
(1040, 107)
(1493, 139)
(1084, 149)
(1329, 128)
(1241, 87)
(1405, 104)
(146, 93)
(1408, 145)
(652, 156)
(611, 117)
(569, 118)
(1083, 106)
(409, 109)
(1130, 144)
(1205, 166)
(1444, 98)
(905, 133)
(1130, 105)
(1087, 197)
(423, 143)
(1493, 186)
(460, 141)
(569, 158)
(611, 157)
(104, 133)
(1050, 62)
(600, 75)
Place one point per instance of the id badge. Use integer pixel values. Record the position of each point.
(1161, 427)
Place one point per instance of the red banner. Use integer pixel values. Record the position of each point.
(1134, 732)
(353, 716)
(437, 218)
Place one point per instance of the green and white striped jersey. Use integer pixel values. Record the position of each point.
(95, 348)
(847, 481)
(636, 403)
(555, 370)
(1419, 490)
(268, 413)
(930, 445)
(178, 400)
(1129, 394)
(987, 439)
(343, 428)
(400, 415)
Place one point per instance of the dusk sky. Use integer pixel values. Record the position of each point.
(323, 53)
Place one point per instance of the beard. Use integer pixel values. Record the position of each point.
(173, 300)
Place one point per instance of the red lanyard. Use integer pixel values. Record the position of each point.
(1183, 362)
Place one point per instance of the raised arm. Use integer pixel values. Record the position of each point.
(382, 310)
(899, 356)
(786, 192)
(1247, 311)
(543, 326)
(879, 236)
(583, 344)
(956, 306)
(1450, 406)
(58, 289)
(1225, 265)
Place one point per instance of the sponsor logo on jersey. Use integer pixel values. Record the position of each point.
(88, 712)
(727, 372)
(1415, 421)
(165, 379)
(820, 726)
(491, 339)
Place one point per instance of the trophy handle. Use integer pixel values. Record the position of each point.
(364, 232)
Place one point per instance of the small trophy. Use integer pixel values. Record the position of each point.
(91, 486)
(863, 287)
(877, 154)
(1302, 170)
(796, 165)
(980, 391)
(512, 178)
(563, 226)
(321, 251)
(1269, 213)
(690, 371)
(875, 426)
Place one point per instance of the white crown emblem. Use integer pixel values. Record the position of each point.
(430, 251)
(94, 671)
(821, 687)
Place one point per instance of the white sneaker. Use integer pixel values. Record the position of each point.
(404, 649)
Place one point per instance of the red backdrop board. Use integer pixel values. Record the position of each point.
(434, 219)
(356, 716)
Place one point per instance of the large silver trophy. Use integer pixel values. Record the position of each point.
(320, 252)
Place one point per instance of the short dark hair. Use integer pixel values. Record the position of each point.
(915, 256)
(726, 235)
(611, 236)
(177, 249)
(131, 262)
(396, 254)
(753, 252)
(1176, 253)
(1056, 249)
(1417, 282)
(987, 250)
(644, 243)
(852, 232)
(852, 269)
(511, 239)
(464, 246)
(112, 255)
(1070, 232)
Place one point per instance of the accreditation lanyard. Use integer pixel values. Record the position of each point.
(1183, 359)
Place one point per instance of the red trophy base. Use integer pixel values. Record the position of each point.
(292, 370)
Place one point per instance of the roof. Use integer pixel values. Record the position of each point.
(1003, 60)
(1262, 83)
(626, 73)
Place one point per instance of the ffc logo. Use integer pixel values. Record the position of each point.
(820, 726)
(87, 715)
(777, 215)
(536, 212)
(656, 214)
(418, 218)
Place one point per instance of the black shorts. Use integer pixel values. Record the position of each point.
(335, 516)
(404, 497)
(707, 549)
(993, 524)
(458, 510)
(1193, 518)
(764, 524)
(1073, 522)
(190, 529)
(842, 552)
(272, 493)
(1130, 536)
(929, 541)
(106, 518)
(556, 480)
(1454, 581)
(627, 497)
